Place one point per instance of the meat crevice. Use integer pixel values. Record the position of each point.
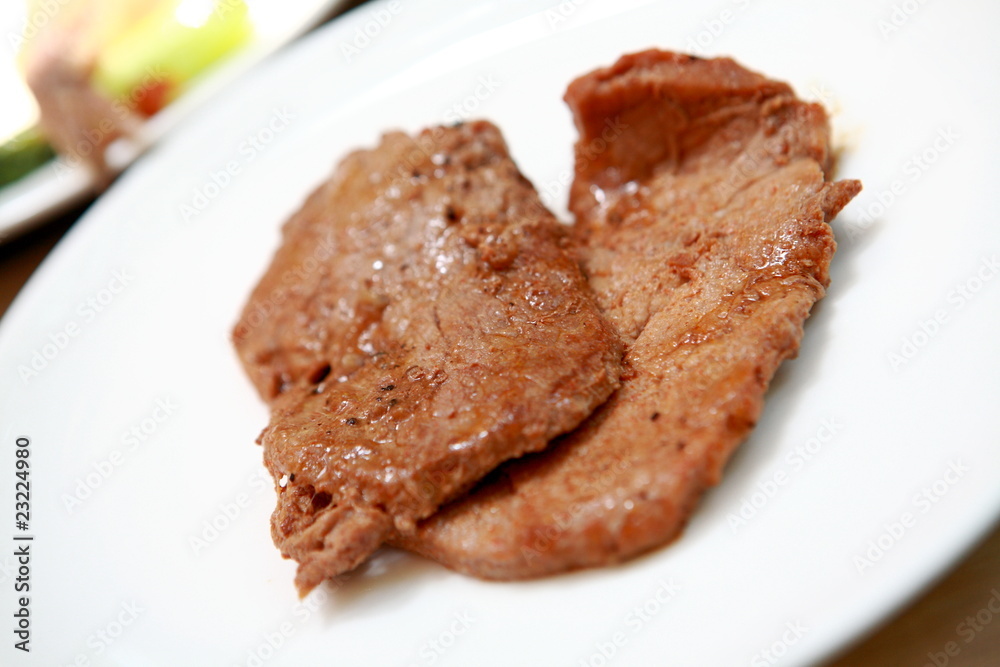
(701, 201)
(406, 350)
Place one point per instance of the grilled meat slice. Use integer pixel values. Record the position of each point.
(702, 203)
(421, 323)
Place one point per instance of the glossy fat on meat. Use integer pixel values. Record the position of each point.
(421, 323)
(702, 202)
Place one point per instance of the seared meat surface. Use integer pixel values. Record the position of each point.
(421, 323)
(702, 225)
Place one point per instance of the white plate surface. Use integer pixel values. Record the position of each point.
(875, 466)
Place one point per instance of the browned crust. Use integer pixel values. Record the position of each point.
(703, 224)
(447, 331)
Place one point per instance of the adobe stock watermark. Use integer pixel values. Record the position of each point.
(561, 13)
(229, 511)
(757, 157)
(110, 632)
(269, 643)
(795, 461)
(713, 28)
(295, 275)
(466, 107)
(438, 645)
(773, 654)
(116, 122)
(8, 568)
(877, 203)
(552, 190)
(219, 8)
(87, 311)
(818, 92)
(899, 15)
(366, 34)
(546, 537)
(963, 293)
(426, 487)
(922, 503)
(220, 179)
(633, 622)
(967, 630)
(131, 440)
(41, 14)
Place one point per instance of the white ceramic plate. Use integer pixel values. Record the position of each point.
(58, 185)
(874, 468)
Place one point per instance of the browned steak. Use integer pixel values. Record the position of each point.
(702, 214)
(443, 330)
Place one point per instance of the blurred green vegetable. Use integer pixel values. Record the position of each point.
(146, 65)
(149, 64)
(22, 155)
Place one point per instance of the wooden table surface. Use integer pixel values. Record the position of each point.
(921, 635)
